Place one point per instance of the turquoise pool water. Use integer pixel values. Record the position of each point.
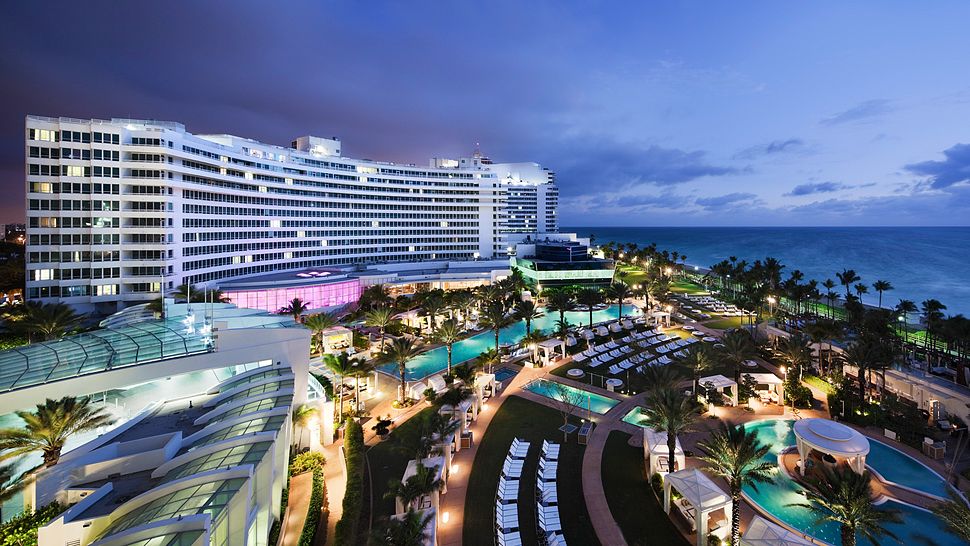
(635, 417)
(436, 360)
(502, 374)
(893, 465)
(596, 403)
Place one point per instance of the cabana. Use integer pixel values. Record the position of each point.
(587, 334)
(762, 532)
(656, 452)
(661, 317)
(601, 331)
(831, 438)
(416, 390)
(720, 383)
(616, 327)
(548, 350)
(702, 503)
(769, 387)
(466, 412)
(427, 501)
(336, 339)
(430, 532)
(437, 383)
(484, 385)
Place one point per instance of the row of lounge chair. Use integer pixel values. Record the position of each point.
(547, 497)
(507, 495)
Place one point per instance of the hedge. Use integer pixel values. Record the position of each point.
(315, 508)
(21, 530)
(274, 532)
(346, 532)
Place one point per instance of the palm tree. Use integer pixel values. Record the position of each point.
(361, 369)
(302, 415)
(589, 297)
(559, 300)
(904, 308)
(448, 333)
(401, 351)
(880, 287)
(737, 456)
(829, 284)
(50, 320)
(48, 428)
(432, 307)
(797, 353)
(932, 315)
(527, 311)
(697, 361)
(380, 318)
(861, 354)
(738, 347)
(846, 278)
(860, 290)
(494, 316)
(317, 323)
(423, 482)
(489, 358)
(956, 515)
(341, 365)
(409, 529)
(657, 379)
(842, 496)
(672, 412)
(297, 308)
(9, 486)
(619, 291)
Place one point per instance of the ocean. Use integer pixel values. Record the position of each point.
(921, 262)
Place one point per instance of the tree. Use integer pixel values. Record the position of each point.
(50, 425)
(317, 323)
(861, 289)
(697, 361)
(567, 401)
(846, 278)
(880, 287)
(797, 354)
(932, 315)
(448, 334)
(619, 291)
(845, 497)
(494, 316)
(10, 485)
(192, 294)
(657, 379)
(488, 359)
(361, 369)
(302, 415)
(374, 296)
(904, 308)
(738, 346)
(830, 296)
(589, 297)
(559, 300)
(401, 351)
(527, 311)
(380, 318)
(672, 412)
(409, 529)
(424, 482)
(956, 515)
(341, 365)
(432, 306)
(736, 455)
(50, 320)
(297, 308)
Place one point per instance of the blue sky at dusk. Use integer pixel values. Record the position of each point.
(690, 113)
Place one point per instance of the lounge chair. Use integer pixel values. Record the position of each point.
(550, 451)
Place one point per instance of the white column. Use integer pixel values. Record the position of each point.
(667, 495)
(802, 453)
(701, 526)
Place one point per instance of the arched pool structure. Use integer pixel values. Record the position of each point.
(436, 360)
(775, 499)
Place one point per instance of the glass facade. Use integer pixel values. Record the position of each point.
(317, 296)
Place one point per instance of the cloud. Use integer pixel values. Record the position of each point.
(726, 201)
(954, 169)
(864, 111)
(817, 187)
(773, 147)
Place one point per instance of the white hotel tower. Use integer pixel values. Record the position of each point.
(119, 211)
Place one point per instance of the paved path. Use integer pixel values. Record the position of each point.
(296, 509)
(333, 474)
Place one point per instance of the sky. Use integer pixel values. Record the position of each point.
(650, 113)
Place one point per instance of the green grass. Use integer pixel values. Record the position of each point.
(686, 287)
(632, 502)
(727, 323)
(631, 275)
(819, 383)
(533, 422)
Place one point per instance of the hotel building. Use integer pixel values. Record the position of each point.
(120, 211)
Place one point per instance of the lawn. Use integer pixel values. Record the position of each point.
(726, 323)
(533, 422)
(631, 275)
(632, 503)
(686, 287)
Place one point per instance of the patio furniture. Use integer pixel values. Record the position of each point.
(585, 431)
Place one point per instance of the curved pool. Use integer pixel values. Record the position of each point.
(917, 524)
(436, 360)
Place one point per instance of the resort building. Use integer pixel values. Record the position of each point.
(561, 260)
(120, 211)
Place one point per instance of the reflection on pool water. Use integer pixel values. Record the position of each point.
(591, 401)
(436, 360)
(895, 466)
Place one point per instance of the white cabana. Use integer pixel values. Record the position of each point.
(657, 454)
(661, 317)
(769, 387)
(831, 438)
(427, 501)
(484, 385)
(416, 390)
(337, 339)
(587, 334)
(570, 341)
(615, 327)
(702, 503)
(720, 383)
(466, 412)
(762, 532)
(602, 331)
(430, 533)
(548, 350)
(437, 383)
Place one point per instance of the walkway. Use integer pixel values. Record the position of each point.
(296, 509)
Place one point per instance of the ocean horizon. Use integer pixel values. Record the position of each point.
(920, 262)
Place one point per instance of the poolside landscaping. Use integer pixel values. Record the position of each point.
(532, 422)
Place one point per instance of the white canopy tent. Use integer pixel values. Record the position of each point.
(657, 454)
(762, 532)
(720, 383)
(549, 348)
(485, 385)
(772, 382)
(703, 498)
(416, 390)
(832, 438)
(661, 317)
(437, 383)
(439, 464)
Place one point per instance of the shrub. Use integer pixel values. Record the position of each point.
(306, 462)
(798, 395)
(21, 530)
(346, 532)
(430, 394)
(315, 508)
(657, 483)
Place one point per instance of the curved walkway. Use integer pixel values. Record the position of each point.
(296, 509)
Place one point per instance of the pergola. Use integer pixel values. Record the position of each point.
(832, 438)
(547, 350)
(656, 452)
(720, 383)
(772, 381)
(762, 532)
(703, 497)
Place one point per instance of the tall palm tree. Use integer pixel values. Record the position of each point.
(527, 311)
(448, 333)
(830, 296)
(494, 316)
(697, 361)
(880, 287)
(932, 314)
(380, 318)
(904, 308)
(738, 346)
(956, 515)
(409, 529)
(488, 359)
(864, 354)
(842, 496)
(657, 379)
(737, 456)
(341, 365)
(296, 307)
(589, 297)
(47, 428)
(362, 368)
(317, 323)
(846, 278)
(797, 353)
(672, 412)
(861, 289)
(619, 291)
(302, 415)
(401, 351)
(559, 300)
(423, 482)
(50, 320)
(432, 307)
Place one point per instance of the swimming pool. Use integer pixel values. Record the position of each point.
(502, 374)
(636, 417)
(776, 497)
(591, 401)
(436, 360)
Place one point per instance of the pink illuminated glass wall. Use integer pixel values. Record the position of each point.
(315, 296)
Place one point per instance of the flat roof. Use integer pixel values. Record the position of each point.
(310, 276)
